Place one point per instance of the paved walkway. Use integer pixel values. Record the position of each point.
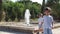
(55, 31)
(23, 25)
(20, 25)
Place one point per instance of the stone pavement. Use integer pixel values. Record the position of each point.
(18, 24)
(23, 26)
(56, 31)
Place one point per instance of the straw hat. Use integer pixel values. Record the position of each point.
(47, 8)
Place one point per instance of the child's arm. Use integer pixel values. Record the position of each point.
(52, 22)
(41, 22)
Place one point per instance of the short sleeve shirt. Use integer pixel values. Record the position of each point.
(47, 21)
(40, 20)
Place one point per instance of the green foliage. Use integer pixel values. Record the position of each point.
(19, 9)
(16, 10)
(35, 9)
(55, 5)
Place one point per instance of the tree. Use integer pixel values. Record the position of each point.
(35, 9)
(54, 4)
(0, 10)
(19, 9)
(8, 7)
(43, 6)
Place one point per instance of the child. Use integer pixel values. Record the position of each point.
(40, 21)
(47, 21)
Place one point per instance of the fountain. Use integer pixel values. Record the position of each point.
(27, 17)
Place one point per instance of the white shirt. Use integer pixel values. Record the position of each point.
(40, 20)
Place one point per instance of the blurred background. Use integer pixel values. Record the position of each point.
(13, 10)
(12, 14)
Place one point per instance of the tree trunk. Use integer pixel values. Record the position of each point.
(42, 7)
(0, 10)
